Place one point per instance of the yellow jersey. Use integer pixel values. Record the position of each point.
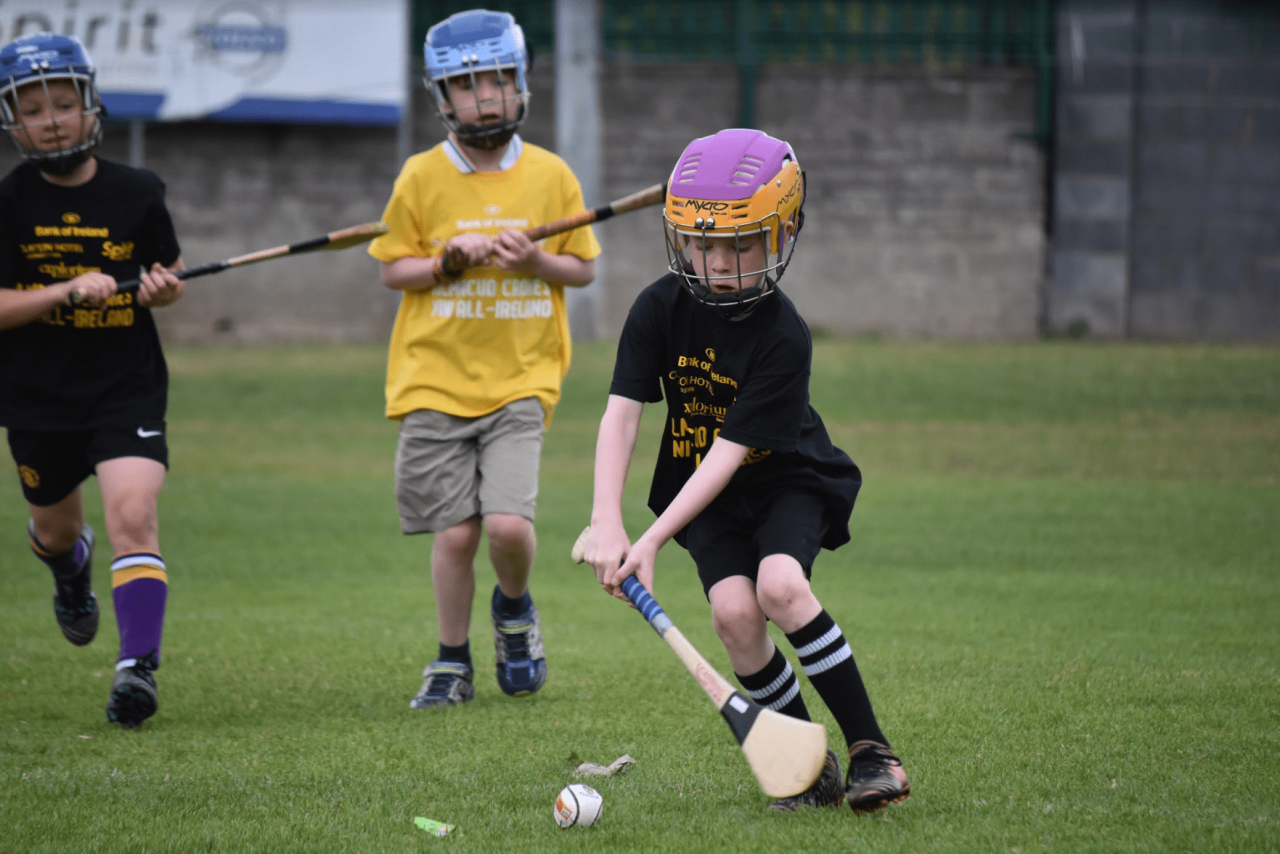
(491, 337)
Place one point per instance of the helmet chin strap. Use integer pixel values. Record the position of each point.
(66, 161)
(485, 138)
(745, 301)
(62, 163)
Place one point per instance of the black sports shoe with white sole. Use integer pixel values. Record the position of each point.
(133, 693)
(827, 790)
(74, 605)
(876, 778)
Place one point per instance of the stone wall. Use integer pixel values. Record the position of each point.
(924, 215)
(1166, 213)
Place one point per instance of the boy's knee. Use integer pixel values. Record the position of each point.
(56, 534)
(133, 515)
(737, 622)
(780, 592)
(507, 531)
(463, 537)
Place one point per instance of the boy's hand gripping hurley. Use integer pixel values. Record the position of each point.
(342, 239)
(453, 266)
(785, 754)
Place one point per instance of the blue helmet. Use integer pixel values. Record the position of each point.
(39, 59)
(478, 41)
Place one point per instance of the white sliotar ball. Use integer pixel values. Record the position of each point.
(578, 804)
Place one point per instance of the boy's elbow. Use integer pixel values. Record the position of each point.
(387, 275)
(586, 273)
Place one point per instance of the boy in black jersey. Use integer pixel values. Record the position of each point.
(83, 386)
(747, 479)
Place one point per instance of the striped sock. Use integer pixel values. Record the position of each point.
(63, 564)
(776, 687)
(828, 662)
(139, 588)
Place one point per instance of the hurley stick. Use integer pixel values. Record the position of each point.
(341, 239)
(785, 754)
(655, 195)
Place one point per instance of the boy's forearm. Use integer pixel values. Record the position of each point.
(408, 273)
(18, 308)
(567, 269)
(708, 481)
(412, 273)
(614, 447)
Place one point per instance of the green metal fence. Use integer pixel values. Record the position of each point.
(934, 34)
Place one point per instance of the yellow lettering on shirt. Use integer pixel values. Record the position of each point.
(70, 231)
(118, 251)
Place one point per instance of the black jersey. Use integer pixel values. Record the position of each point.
(746, 380)
(80, 368)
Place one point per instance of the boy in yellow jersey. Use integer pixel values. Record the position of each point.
(480, 344)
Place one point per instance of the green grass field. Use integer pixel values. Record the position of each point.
(1063, 592)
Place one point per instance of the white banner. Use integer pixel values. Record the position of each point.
(235, 60)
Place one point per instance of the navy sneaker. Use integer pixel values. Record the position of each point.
(517, 642)
(133, 693)
(445, 683)
(826, 791)
(876, 778)
(74, 605)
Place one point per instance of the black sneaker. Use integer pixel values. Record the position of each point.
(876, 778)
(133, 693)
(445, 683)
(517, 643)
(827, 790)
(74, 605)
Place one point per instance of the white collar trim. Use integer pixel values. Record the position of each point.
(463, 164)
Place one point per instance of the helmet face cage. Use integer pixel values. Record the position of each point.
(685, 245)
(734, 186)
(466, 45)
(39, 60)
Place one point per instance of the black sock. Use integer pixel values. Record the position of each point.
(828, 662)
(776, 687)
(460, 654)
(64, 564)
(510, 608)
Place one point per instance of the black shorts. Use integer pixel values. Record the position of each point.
(52, 464)
(731, 538)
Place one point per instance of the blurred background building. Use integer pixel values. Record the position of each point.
(976, 168)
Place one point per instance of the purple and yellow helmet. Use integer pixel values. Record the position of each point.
(734, 184)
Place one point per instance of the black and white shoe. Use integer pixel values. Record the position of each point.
(133, 693)
(827, 790)
(876, 778)
(74, 605)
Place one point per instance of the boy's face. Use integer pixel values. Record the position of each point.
(487, 101)
(726, 265)
(50, 121)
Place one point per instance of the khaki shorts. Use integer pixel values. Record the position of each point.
(449, 469)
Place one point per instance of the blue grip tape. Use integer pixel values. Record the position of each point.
(644, 602)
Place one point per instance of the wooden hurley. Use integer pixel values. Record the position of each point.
(341, 239)
(785, 754)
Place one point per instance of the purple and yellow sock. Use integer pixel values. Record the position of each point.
(139, 588)
(63, 564)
